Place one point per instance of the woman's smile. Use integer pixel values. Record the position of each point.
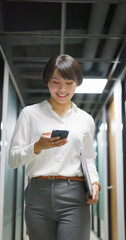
(61, 95)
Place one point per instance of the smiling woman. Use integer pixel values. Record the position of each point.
(57, 205)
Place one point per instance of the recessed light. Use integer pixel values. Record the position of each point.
(92, 85)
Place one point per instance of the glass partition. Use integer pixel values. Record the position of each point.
(124, 139)
(101, 175)
(1, 88)
(14, 178)
(98, 209)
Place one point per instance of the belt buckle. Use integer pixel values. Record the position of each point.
(51, 178)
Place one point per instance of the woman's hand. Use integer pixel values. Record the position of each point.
(46, 142)
(95, 195)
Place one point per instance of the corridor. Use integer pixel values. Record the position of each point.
(93, 32)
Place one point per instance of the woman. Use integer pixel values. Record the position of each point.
(57, 206)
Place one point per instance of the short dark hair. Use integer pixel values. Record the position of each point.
(67, 67)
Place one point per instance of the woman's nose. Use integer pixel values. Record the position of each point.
(61, 86)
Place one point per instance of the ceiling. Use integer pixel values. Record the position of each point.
(93, 32)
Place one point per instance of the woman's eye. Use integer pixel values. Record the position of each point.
(69, 83)
(55, 82)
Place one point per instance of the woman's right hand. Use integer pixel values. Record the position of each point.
(46, 142)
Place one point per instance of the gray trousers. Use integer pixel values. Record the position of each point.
(56, 210)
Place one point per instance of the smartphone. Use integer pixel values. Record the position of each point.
(60, 133)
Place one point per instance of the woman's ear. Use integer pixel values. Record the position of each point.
(47, 85)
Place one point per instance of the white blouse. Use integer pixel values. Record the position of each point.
(39, 118)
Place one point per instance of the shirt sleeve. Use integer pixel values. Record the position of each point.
(20, 151)
(90, 154)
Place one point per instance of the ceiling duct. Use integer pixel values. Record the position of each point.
(116, 28)
(96, 22)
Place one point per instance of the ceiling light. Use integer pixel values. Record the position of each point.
(93, 85)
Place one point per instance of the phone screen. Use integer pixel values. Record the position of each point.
(60, 133)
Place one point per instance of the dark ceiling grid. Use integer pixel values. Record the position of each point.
(94, 32)
(118, 24)
(116, 27)
(95, 26)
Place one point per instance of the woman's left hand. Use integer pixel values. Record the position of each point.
(95, 196)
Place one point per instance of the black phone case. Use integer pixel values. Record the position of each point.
(60, 133)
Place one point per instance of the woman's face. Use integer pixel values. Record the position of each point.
(61, 90)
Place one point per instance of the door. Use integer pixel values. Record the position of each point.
(112, 174)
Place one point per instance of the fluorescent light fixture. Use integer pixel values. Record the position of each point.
(93, 85)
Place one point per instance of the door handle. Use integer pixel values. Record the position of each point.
(110, 187)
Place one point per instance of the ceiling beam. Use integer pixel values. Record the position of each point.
(66, 36)
(63, 26)
(70, 1)
(25, 60)
(35, 90)
(28, 76)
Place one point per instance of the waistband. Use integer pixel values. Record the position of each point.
(76, 178)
